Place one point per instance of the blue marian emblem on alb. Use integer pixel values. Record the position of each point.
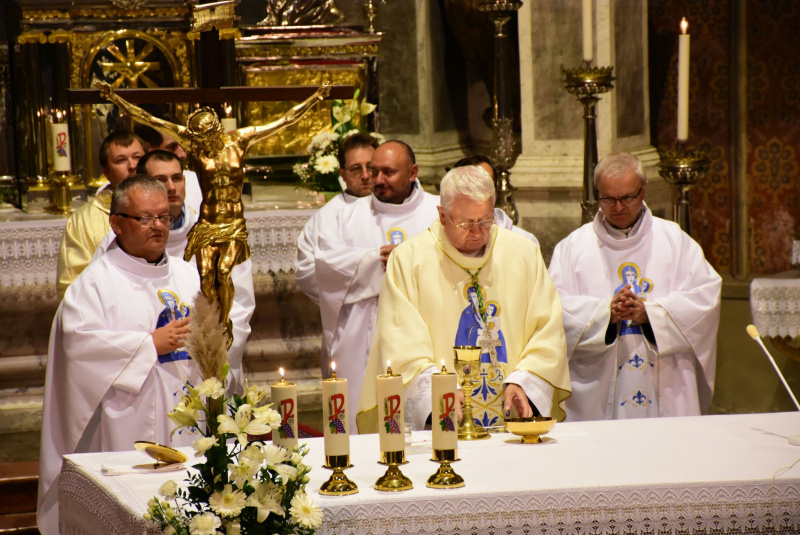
(173, 310)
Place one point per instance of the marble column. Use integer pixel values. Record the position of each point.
(549, 169)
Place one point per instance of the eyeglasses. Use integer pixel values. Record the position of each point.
(627, 200)
(483, 224)
(149, 220)
(359, 169)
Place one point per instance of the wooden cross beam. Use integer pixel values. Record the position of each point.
(213, 96)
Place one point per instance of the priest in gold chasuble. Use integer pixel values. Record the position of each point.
(466, 281)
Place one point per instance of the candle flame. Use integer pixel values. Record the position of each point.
(59, 116)
(333, 366)
(684, 26)
(228, 110)
(282, 374)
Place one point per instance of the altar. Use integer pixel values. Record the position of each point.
(691, 475)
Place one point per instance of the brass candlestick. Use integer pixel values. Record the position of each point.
(682, 169)
(585, 83)
(468, 367)
(393, 480)
(60, 195)
(338, 484)
(445, 477)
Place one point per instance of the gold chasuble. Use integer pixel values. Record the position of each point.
(429, 303)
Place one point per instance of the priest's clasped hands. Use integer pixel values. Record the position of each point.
(626, 306)
(171, 336)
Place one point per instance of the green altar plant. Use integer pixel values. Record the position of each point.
(321, 171)
(246, 487)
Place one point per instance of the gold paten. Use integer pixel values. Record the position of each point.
(530, 429)
(445, 477)
(468, 367)
(218, 240)
(338, 484)
(393, 480)
(159, 452)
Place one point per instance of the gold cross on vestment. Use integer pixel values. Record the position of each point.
(488, 344)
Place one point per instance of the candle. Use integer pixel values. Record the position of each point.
(61, 152)
(284, 399)
(588, 29)
(683, 82)
(334, 415)
(390, 411)
(443, 408)
(228, 122)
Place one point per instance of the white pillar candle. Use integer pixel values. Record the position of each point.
(443, 408)
(334, 415)
(588, 31)
(284, 400)
(390, 412)
(61, 151)
(683, 82)
(229, 124)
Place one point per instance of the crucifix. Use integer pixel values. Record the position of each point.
(488, 344)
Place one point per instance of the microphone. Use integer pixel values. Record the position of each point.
(753, 332)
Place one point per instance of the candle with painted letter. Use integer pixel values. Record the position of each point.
(443, 405)
(683, 82)
(390, 411)
(588, 31)
(61, 152)
(284, 400)
(334, 415)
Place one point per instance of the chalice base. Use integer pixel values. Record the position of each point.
(469, 430)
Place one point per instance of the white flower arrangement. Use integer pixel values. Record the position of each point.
(321, 171)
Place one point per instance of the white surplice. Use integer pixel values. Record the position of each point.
(244, 300)
(349, 275)
(308, 241)
(105, 385)
(502, 220)
(616, 371)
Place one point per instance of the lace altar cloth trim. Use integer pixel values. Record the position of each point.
(29, 249)
(744, 508)
(775, 306)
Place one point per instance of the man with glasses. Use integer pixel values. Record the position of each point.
(641, 307)
(113, 373)
(355, 153)
(452, 283)
(351, 257)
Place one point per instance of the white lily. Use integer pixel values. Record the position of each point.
(244, 424)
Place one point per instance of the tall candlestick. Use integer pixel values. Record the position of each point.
(61, 151)
(390, 411)
(284, 399)
(443, 405)
(334, 414)
(588, 29)
(683, 82)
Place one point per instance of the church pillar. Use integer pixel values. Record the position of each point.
(413, 89)
(549, 169)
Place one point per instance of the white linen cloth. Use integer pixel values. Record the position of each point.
(775, 304)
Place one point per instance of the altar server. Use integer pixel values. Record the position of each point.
(116, 365)
(119, 153)
(465, 281)
(352, 256)
(165, 167)
(641, 307)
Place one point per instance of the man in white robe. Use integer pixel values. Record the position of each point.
(641, 307)
(116, 366)
(352, 256)
(355, 154)
(450, 286)
(166, 168)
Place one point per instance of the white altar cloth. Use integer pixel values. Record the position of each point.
(775, 304)
(706, 474)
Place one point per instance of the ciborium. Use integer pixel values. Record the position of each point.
(468, 368)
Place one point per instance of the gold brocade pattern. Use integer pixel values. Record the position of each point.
(295, 140)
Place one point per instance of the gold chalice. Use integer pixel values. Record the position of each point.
(468, 368)
(530, 429)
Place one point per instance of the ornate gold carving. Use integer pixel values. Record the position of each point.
(131, 66)
(294, 140)
(312, 51)
(60, 36)
(44, 14)
(115, 13)
(229, 33)
(301, 13)
(127, 5)
(207, 16)
(31, 38)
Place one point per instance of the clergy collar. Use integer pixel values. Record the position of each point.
(619, 239)
(178, 223)
(469, 262)
(134, 263)
(411, 202)
(348, 197)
